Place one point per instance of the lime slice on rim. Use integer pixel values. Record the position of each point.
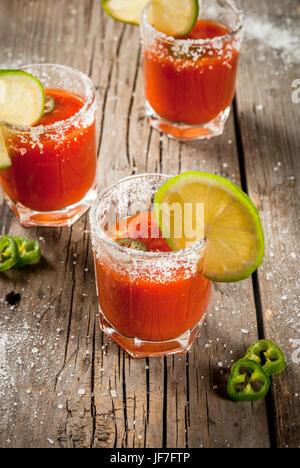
(174, 17)
(231, 223)
(22, 98)
(128, 11)
(5, 161)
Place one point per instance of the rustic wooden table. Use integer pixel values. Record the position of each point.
(62, 382)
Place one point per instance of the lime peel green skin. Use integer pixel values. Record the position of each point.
(107, 11)
(256, 374)
(275, 361)
(2, 142)
(29, 252)
(8, 72)
(5, 167)
(196, 14)
(195, 17)
(233, 190)
(8, 253)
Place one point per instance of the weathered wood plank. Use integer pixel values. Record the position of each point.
(65, 384)
(188, 423)
(42, 401)
(270, 136)
(210, 420)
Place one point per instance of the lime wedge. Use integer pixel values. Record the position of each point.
(128, 11)
(5, 161)
(174, 17)
(230, 222)
(22, 98)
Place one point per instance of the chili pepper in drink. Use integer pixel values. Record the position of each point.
(268, 355)
(8, 253)
(247, 381)
(132, 244)
(28, 250)
(49, 105)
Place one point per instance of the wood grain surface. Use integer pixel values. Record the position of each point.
(62, 382)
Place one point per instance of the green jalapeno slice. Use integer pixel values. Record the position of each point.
(49, 105)
(247, 381)
(28, 250)
(268, 355)
(8, 253)
(132, 244)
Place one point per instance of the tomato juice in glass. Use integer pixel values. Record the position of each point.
(52, 177)
(151, 303)
(190, 82)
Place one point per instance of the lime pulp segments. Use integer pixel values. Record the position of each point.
(172, 17)
(5, 161)
(128, 11)
(22, 98)
(231, 223)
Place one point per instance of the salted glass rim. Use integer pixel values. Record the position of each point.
(61, 123)
(191, 42)
(99, 233)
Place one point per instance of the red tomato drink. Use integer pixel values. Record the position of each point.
(191, 89)
(57, 170)
(52, 177)
(190, 81)
(150, 307)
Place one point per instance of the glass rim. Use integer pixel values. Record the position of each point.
(195, 42)
(100, 234)
(61, 123)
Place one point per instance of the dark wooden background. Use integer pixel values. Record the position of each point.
(64, 384)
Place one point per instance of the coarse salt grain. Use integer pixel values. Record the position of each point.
(273, 36)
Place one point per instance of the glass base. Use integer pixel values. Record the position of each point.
(138, 349)
(64, 217)
(185, 132)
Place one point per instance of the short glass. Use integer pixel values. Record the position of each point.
(150, 303)
(190, 83)
(52, 179)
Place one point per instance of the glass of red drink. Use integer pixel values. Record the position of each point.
(151, 302)
(52, 179)
(190, 82)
